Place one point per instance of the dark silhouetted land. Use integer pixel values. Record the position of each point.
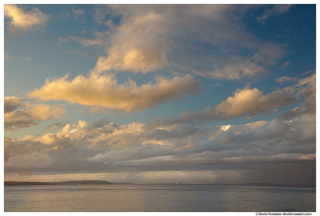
(83, 182)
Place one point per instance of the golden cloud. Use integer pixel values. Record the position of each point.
(31, 115)
(22, 20)
(249, 102)
(104, 91)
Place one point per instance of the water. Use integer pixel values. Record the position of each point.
(158, 198)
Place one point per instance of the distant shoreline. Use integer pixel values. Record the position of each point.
(101, 182)
(84, 182)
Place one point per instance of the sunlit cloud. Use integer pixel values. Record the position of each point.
(140, 69)
(138, 45)
(104, 91)
(138, 147)
(236, 70)
(153, 145)
(245, 103)
(20, 20)
(102, 38)
(30, 115)
(147, 39)
(250, 102)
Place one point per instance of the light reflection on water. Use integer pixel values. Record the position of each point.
(154, 198)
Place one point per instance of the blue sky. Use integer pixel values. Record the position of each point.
(191, 69)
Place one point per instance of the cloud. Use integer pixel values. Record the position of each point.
(245, 103)
(29, 160)
(176, 146)
(101, 39)
(8, 57)
(236, 70)
(29, 59)
(285, 65)
(21, 20)
(104, 91)
(32, 114)
(286, 79)
(169, 37)
(11, 103)
(77, 12)
(138, 46)
(146, 58)
(100, 11)
(55, 125)
(136, 147)
(307, 89)
(250, 102)
(276, 9)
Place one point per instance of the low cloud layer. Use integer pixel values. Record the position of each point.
(20, 20)
(138, 147)
(30, 115)
(104, 91)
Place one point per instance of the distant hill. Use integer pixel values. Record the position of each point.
(83, 182)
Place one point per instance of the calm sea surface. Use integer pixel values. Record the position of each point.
(154, 198)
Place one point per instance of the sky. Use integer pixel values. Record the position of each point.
(195, 94)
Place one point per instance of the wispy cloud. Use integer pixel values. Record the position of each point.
(285, 65)
(286, 79)
(276, 9)
(8, 57)
(78, 12)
